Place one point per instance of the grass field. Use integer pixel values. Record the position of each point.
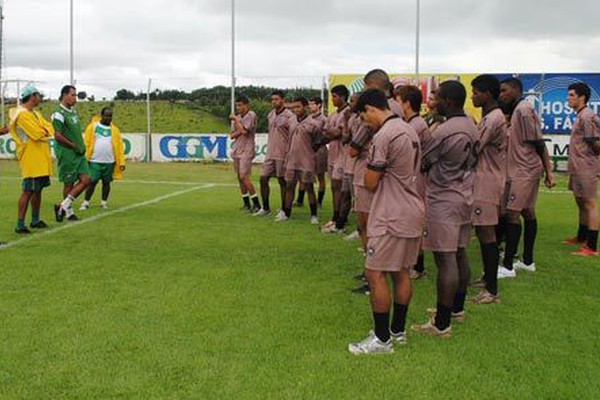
(185, 297)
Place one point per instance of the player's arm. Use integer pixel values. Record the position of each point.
(58, 122)
(533, 136)
(591, 134)
(377, 164)
(3, 130)
(359, 141)
(431, 153)
(28, 124)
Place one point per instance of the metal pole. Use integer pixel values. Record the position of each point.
(18, 92)
(233, 56)
(3, 121)
(72, 80)
(418, 38)
(149, 116)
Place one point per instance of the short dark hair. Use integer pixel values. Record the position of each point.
(301, 99)
(105, 109)
(454, 91)
(317, 100)
(65, 90)
(341, 91)
(279, 93)
(374, 98)
(242, 99)
(582, 89)
(513, 82)
(487, 84)
(413, 95)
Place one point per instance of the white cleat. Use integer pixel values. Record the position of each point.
(398, 338)
(506, 273)
(520, 265)
(104, 205)
(371, 345)
(353, 236)
(281, 217)
(84, 206)
(314, 220)
(261, 212)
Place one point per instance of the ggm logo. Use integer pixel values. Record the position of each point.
(193, 147)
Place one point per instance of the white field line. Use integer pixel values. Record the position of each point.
(70, 225)
(145, 182)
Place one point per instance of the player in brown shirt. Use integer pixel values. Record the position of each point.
(584, 168)
(280, 119)
(527, 157)
(394, 232)
(490, 178)
(315, 106)
(449, 161)
(244, 150)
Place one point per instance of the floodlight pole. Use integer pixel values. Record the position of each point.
(418, 39)
(72, 80)
(149, 121)
(233, 56)
(3, 120)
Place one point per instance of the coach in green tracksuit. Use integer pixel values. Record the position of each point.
(73, 168)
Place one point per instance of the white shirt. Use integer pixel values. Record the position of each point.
(103, 148)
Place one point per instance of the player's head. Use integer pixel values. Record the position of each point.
(106, 116)
(451, 97)
(373, 107)
(511, 90)
(278, 99)
(410, 97)
(299, 106)
(353, 100)
(242, 104)
(68, 95)
(315, 104)
(339, 95)
(30, 96)
(378, 79)
(578, 95)
(486, 89)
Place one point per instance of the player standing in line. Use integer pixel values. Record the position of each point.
(583, 167)
(315, 106)
(449, 161)
(433, 117)
(106, 154)
(280, 119)
(527, 158)
(394, 232)
(73, 168)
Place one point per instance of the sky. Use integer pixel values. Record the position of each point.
(186, 44)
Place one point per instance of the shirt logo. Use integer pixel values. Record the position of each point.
(478, 211)
(370, 251)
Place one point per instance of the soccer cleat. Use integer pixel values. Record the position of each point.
(364, 290)
(416, 275)
(371, 345)
(430, 329)
(353, 236)
(261, 212)
(485, 297)
(59, 213)
(331, 229)
(254, 210)
(399, 338)
(72, 218)
(22, 230)
(279, 214)
(504, 272)
(458, 317)
(245, 209)
(585, 251)
(573, 241)
(314, 220)
(478, 283)
(39, 225)
(360, 277)
(104, 205)
(84, 206)
(281, 217)
(329, 224)
(518, 264)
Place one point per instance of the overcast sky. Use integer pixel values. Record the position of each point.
(186, 43)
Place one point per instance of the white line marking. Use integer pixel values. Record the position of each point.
(145, 182)
(69, 225)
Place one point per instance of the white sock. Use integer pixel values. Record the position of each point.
(86, 203)
(68, 202)
(103, 202)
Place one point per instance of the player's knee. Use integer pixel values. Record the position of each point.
(85, 180)
(529, 213)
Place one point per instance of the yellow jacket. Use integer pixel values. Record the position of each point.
(117, 142)
(32, 134)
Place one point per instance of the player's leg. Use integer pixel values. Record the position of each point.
(402, 297)
(301, 194)
(591, 241)
(513, 236)
(447, 284)
(529, 237)
(23, 205)
(322, 189)
(490, 256)
(312, 199)
(345, 204)
(251, 190)
(265, 191)
(464, 276)
(291, 179)
(105, 193)
(245, 196)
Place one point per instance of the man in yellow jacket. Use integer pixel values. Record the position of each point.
(32, 134)
(106, 155)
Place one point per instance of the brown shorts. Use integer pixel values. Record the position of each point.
(584, 187)
(485, 214)
(298, 175)
(336, 171)
(242, 166)
(362, 199)
(273, 169)
(321, 164)
(522, 194)
(446, 237)
(390, 253)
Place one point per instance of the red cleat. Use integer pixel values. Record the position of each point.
(585, 251)
(572, 241)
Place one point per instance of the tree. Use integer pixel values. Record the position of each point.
(82, 95)
(125, 95)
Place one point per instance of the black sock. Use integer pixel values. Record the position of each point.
(501, 230)
(382, 325)
(340, 222)
(336, 215)
(300, 199)
(255, 201)
(399, 318)
(491, 257)
(287, 212)
(442, 317)
(313, 209)
(582, 233)
(459, 302)
(420, 267)
(246, 200)
(529, 234)
(266, 205)
(513, 235)
(321, 197)
(592, 240)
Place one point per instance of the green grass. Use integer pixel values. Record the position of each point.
(188, 298)
(166, 117)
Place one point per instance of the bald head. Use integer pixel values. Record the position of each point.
(378, 79)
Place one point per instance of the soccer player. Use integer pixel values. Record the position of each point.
(490, 178)
(32, 134)
(315, 106)
(106, 154)
(449, 161)
(244, 150)
(583, 167)
(526, 159)
(73, 168)
(333, 133)
(411, 99)
(433, 118)
(394, 232)
(301, 161)
(280, 119)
